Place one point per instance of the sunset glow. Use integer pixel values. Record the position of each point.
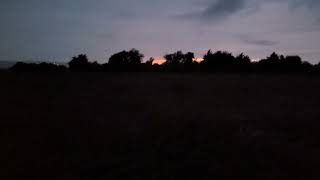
(162, 60)
(159, 61)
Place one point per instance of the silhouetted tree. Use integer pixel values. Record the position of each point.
(293, 60)
(274, 57)
(95, 67)
(279, 63)
(150, 61)
(135, 57)
(148, 65)
(316, 67)
(174, 59)
(306, 66)
(188, 58)
(271, 63)
(188, 63)
(292, 64)
(126, 61)
(120, 58)
(243, 63)
(179, 61)
(79, 63)
(218, 61)
(243, 59)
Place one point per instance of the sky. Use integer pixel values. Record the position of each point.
(60, 29)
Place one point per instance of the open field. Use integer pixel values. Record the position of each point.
(159, 126)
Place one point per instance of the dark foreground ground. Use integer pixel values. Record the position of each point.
(159, 126)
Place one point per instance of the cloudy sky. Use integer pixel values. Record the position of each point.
(57, 30)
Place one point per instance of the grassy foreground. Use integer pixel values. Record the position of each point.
(159, 126)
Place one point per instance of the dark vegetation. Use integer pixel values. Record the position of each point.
(220, 61)
(96, 126)
(35, 67)
(235, 119)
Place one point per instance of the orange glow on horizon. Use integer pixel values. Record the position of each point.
(162, 60)
(198, 59)
(159, 61)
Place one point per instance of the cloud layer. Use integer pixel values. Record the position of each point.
(43, 29)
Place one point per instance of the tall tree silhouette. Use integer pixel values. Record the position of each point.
(79, 63)
(243, 63)
(126, 61)
(174, 59)
(179, 61)
(218, 61)
(148, 65)
(188, 58)
(150, 61)
(243, 59)
(272, 63)
(135, 57)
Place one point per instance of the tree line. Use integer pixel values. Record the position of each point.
(132, 61)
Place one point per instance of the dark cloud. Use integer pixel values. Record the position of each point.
(223, 8)
(217, 10)
(256, 41)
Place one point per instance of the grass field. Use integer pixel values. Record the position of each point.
(159, 126)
